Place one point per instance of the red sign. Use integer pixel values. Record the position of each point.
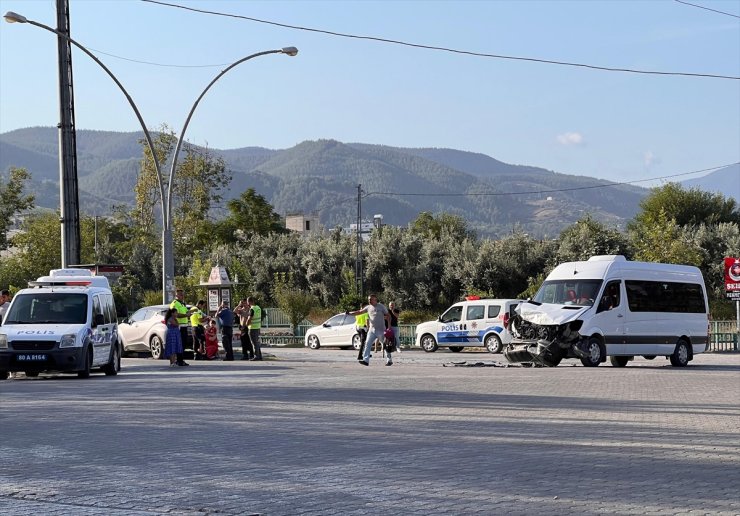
(732, 277)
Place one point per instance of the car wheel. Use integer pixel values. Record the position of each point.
(594, 353)
(493, 343)
(156, 347)
(356, 342)
(428, 343)
(313, 342)
(456, 349)
(619, 361)
(85, 373)
(680, 357)
(32, 374)
(114, 365)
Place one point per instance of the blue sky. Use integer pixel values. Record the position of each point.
(610, 125)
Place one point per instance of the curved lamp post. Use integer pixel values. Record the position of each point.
(168, 263)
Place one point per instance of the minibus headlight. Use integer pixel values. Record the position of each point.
(3, 341)
(576, 325)
(68, 341)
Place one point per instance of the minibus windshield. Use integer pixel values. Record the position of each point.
(581, 292)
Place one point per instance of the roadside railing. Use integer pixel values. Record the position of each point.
(723, 335)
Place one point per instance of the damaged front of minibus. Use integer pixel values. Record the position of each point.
(546, 329)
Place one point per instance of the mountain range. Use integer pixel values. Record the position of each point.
(322, 177)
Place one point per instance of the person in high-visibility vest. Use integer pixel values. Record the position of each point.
(361, 327)
(197, 322)
(254, 323)
(182, 319)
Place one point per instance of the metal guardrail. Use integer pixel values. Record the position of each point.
(723, 335)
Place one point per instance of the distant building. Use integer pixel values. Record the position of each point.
(366, 227)
(304, 224)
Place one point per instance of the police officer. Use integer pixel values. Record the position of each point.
(254, 323)
(182, 319)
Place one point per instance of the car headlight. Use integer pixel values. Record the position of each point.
(68, 341)
(3, 341)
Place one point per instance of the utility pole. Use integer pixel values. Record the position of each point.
(358, 262)
(68, 193)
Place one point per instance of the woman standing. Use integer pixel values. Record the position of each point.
(173, 344)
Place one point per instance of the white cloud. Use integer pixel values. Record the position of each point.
(650, 159)
(570, 138)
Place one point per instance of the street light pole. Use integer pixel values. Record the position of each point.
(168, 263)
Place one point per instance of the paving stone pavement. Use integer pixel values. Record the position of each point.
(314, 433)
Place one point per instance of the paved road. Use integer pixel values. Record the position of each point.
(313, 432)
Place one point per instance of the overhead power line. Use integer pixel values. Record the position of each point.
(529, 192)
(443, 49)
(707, 8)
(158, 64)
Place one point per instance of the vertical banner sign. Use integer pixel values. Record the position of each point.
(732, 278)
(212, 299)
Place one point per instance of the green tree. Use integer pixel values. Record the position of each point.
(249, 214)
(686, 207)
(660, 239)
(296, 303)
(13, 201)
(589, 237)
(433, 226)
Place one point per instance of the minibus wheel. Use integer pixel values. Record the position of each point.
(680, 356)
(594, 353)
(619, 361)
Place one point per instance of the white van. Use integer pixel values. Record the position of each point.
(609, 306)
(65, 322)
(471, 323)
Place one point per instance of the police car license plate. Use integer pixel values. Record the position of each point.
(31, 357)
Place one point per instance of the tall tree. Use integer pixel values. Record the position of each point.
(434, 226)
(249, 214)
(13, 201)
(589, 237)
(686, 207)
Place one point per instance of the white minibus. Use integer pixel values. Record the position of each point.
(611, 307)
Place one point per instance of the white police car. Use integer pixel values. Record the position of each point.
(66, 322)
(471, 323)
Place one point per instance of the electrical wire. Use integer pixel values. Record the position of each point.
(499, 194)
(444, 49)
(707, 8)
(157, 64)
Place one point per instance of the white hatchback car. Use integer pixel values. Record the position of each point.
(338, 331)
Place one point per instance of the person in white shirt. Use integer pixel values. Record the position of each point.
(4, 303)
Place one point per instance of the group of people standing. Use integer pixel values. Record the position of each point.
(372, 321)
(205, 330)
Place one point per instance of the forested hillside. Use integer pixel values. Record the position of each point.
(322, 176)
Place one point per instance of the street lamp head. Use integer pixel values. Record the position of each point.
(12, 17)
(291, 51)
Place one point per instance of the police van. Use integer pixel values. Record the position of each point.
(64, 322)
(474, 322)
(611, 307)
